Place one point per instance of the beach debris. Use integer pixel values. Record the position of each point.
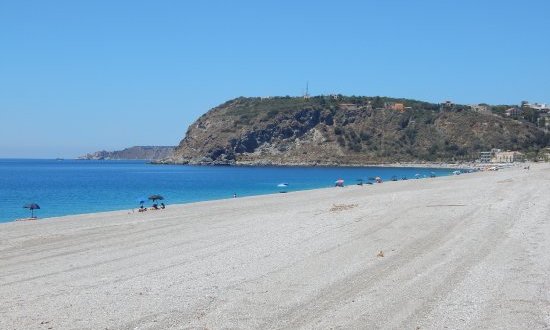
(380, 254)
(445, 205)
(342, 207)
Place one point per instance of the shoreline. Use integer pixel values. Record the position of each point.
(468, 251)
(132, 210)
(435, 165)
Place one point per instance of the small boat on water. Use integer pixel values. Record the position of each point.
(282, 187)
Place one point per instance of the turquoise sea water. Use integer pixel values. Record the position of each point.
(73, 187)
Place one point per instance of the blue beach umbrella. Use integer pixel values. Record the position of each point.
(155, 198)
(32, 207)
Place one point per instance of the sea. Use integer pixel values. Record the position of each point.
(65, 187)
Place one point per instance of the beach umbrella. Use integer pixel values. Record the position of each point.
(156, 198)
(32, 207)
(141, 200)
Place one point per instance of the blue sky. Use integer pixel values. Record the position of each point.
(80, 76)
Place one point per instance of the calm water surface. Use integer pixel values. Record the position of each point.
(73, 187)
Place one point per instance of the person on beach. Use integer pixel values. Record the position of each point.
(162, 206)
(234, 195)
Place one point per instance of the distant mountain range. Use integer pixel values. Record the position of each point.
(137, 152)
(347, 130)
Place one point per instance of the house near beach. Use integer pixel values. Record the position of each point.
(536, 106)
(499, 156)
(514, 112)
(485, 156)
(507, 157)
(446, 106)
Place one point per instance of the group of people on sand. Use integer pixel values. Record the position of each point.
(155, 206)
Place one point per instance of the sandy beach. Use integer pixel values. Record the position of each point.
(458, 252)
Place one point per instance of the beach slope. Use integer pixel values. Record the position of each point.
(461, 252)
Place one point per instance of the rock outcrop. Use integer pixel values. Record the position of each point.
(346, 131)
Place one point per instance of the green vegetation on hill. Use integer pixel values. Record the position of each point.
(348, 130)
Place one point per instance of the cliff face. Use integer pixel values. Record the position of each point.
(345, 130)
(133, 153)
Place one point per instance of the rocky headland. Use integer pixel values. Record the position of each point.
(132, 153)
(340, 130)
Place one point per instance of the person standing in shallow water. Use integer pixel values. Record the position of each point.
(234, 195)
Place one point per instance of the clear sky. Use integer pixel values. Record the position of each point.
(80, 76)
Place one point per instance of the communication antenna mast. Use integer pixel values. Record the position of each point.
(306, 95)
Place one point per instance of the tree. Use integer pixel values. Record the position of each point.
(531, 115)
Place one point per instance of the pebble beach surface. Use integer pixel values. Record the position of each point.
(457, 252)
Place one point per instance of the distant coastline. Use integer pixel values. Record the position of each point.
(132, 153)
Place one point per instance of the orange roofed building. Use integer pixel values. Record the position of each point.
(395, 106)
